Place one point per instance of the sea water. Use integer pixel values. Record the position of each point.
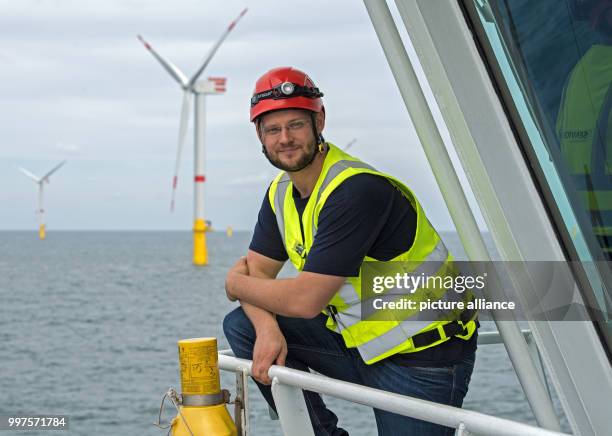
(89, 324)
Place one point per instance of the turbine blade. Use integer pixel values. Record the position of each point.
(168, 66)
(214, 48)
(29, 174)
(55, 168)
(350, 144)
(185, 112)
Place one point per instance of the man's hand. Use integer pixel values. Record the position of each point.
(270, 349)
(239, 268)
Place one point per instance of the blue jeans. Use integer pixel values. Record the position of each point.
(312, 345)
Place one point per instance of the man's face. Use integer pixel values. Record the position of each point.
(288, 138)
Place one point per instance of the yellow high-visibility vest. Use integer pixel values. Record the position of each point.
(584, 129)
(428, 255)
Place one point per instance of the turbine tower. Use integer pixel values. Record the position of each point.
(213, 85)
(41, 181)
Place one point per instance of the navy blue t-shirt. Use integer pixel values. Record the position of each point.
(364, 215)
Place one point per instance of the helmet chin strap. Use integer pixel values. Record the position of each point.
(320, 141)
(313, 121)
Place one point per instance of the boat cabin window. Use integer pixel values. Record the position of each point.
(552, 63)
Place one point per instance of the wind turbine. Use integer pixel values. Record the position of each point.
(214, 85)
(349, 145)
(41, 181)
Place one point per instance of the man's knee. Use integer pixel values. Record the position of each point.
(238, 327)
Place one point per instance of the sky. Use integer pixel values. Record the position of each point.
(76, 84)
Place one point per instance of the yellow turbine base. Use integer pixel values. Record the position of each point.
(41, 232)
(200, 251)
(204, 420)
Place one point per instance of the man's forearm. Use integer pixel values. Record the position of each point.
(260, 318)
(303, 296)
(280, 296)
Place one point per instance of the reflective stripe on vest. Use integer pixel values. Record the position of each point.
(279, 199)
(431, 266)
(283, 184)
(428, 257)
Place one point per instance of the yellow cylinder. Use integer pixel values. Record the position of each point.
(205, 420)
(200, 251)
(41, 232)
(200, 377)
(230, 231)
(199, 369)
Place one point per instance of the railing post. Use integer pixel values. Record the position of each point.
(241, 403)
(461, 430)
(291, 409)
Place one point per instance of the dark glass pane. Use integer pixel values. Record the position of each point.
(552, 60)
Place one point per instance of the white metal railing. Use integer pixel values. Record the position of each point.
(287, 385)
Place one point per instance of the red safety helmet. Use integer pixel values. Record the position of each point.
(285, 88)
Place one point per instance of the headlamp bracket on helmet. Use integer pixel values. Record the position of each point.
(286, 90)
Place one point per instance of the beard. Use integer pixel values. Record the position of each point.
(305, 160)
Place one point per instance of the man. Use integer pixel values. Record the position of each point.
(326, 212)
(584, 126)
